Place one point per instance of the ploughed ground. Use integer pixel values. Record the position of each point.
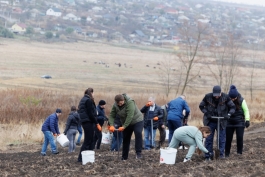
(25, 160)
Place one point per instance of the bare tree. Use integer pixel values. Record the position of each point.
(226, 58)
(189, 56)
(167, 74)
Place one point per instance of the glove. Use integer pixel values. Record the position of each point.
(210, 155)
(208, 115)
(155, 118)
(108, 127)
(111, 128)
(54, 134)
(121, 129)
(228, 116)
(99, 127)
(149, 103)
(247, 124)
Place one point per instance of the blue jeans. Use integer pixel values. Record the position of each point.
(209, 140)
(48, 138)
(114, 143)
(147, 137)
(79, 129)
(172, 126)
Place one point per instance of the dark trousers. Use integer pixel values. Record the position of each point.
(137, 129)
(209, 140)
(88, 128)
(172, 126)
(98, 135)
(162, 137)
(239, 139)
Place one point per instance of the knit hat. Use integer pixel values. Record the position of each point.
(102, 102)
(216, 90)
(233, 93)
(58, 110)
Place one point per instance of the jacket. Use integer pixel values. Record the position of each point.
(158, 112)
(225, 105)
(87, 110)
(73, 121)
(240, 115)
(51, 124)
(175, 109)
(129, 113)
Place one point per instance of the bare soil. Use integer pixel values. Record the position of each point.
(25, 160)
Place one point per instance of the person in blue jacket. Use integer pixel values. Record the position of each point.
(50, 128)
(175, 115)
(101, 117)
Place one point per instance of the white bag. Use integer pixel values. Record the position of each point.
(106, 138)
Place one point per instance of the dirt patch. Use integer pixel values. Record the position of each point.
(25, 160)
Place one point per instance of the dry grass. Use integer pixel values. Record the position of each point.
(26, 99)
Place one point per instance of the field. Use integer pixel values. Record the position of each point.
(26, 99)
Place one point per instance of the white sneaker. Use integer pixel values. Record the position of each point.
(186, 160)
(181, 147)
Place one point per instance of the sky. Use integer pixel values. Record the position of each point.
(250, 2)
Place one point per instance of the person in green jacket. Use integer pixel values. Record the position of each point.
(132, 122)
(191, 136)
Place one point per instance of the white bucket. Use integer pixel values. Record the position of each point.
(88, 156)
(167, 134)
(168, 155)
(63, 140)
(106, 138)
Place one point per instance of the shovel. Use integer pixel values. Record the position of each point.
(217, 150)
(118, 143)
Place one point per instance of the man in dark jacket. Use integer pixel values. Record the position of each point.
(152, 114)
(217, 104)
(162, 123)
(101, 117)
(50, 128)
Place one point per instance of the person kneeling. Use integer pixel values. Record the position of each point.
(191, 136)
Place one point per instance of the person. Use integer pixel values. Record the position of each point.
(162, 127)
(101, 117)
(238, 121)
(132, 122)
(50, 128)
(117, 136)
(152, 114)
(192, 136)
(72, 123)
(79, 129)
(88, 113)
(217, 104)
(175, 114)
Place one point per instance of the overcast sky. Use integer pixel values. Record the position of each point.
(252, 2)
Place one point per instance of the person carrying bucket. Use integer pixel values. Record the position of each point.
(152, 114)
(88, 116)
(216, 104)
(101, 117)
(132, 122)
(191, 136)
(50, 128)
(72, 124)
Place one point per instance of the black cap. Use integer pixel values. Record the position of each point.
(216, 90)
(102, 102)
(58, 110)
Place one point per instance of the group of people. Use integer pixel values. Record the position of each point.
(126, 118)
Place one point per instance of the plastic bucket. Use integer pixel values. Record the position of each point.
(167, 134)
(88, 156)
(168, 155)
(106, 138)
(63, 140)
